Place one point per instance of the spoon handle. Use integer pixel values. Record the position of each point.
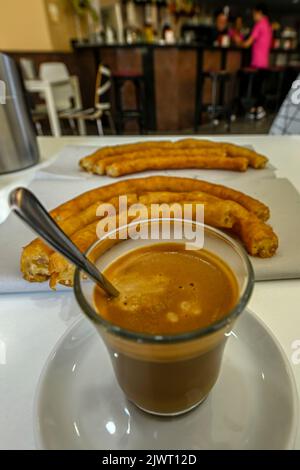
(24, 203)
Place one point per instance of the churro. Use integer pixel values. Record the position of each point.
(224, 208)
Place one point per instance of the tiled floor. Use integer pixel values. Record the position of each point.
(241, 126)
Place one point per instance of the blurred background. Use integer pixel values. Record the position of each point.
(153, 67)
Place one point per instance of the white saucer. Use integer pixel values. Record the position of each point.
(253, 405)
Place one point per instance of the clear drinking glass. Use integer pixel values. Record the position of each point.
(166, 374)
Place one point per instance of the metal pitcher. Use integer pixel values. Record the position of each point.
(18, 143)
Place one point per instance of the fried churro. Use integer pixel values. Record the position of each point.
(120, 154)
(138, 165)
(101, 165)
(224, 208)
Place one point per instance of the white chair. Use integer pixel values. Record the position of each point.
(28, 69)
(38, 111)
(103, 85)
(64, 95)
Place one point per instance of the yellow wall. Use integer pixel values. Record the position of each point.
(23, 26)
(61, 24)
(37, 25)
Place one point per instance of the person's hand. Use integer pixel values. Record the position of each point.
(247, 43)
(238, 41)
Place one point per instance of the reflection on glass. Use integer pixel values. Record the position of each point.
(111, 427)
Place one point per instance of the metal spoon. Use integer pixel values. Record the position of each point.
(24, 203)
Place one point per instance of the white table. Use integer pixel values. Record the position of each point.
(47, 89)
(30, 324)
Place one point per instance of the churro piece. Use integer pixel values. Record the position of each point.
(258, 237)
(60, 269)
(191, 142)
(87, 162)
(34, 263)
(100, 166)
(92, 163)
(157, 183)
(255, 159)
(217, 214)
(35, 256)
(136, 165)
(223, 192)
(155, 197)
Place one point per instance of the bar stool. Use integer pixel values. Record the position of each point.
(136, 113)
(246, 85)
(274, 86)
(218, 106)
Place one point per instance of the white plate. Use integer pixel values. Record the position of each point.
(253, 405)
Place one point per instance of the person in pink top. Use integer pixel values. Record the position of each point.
(261, 38)
(261, 42)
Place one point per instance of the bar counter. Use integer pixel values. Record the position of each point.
(171, 74)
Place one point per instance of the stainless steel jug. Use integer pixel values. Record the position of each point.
(18, 144)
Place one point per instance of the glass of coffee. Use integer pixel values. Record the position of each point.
(178, 303)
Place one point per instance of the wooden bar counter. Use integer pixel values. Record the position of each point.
(171, 74)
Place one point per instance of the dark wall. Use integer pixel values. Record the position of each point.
(279, 9)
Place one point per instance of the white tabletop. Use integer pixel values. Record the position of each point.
(30, 324)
